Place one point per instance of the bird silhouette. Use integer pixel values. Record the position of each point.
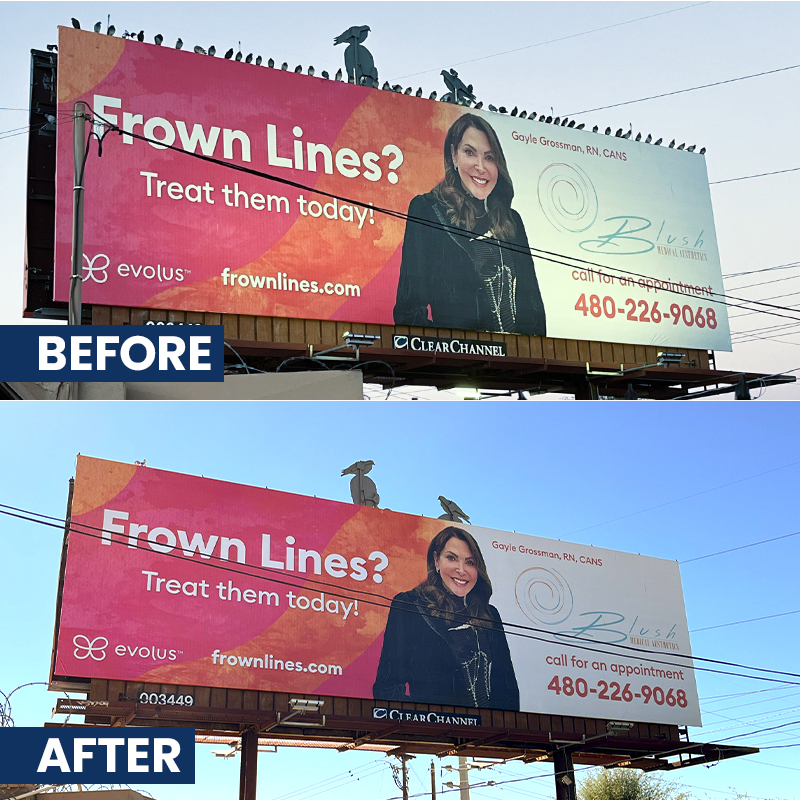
(111, 30)
(691, 148)
(418, 93)
(523, 115)
(285, 66)
(298, 69)
(571, 123)
(557, 121)
(595, 129)
(179, 44)
(460, 92)
(386, 87)
(249, 58)
(618, 134)
(432, 96)
(158, 38)
(451, 511)
(325, 74)
(638, 137)
(503, 110)
(201, 51)
(648, 139)
(478, 106)
(702, 151)
(672, 143)
(271, 63)
(658, 141)
(362, 489)
(627, 135)
(548, 119)
(212, 51)
(681, 146)
(397, 88)
(140, 36)
(608, 131)
(408, 91)
(310, 71)
(229, 54)
(564, 122)
(532, 115)
(97, 27)
(76, 24)
(580, 127)
(259, 61)
(514, 111)
(358, 59)
(492, 108)
(238, 56)
(338, 75)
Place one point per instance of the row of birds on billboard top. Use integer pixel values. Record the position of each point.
(360, 68)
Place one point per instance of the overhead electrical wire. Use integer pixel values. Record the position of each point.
(683, 91)
(743, 546)
(545, 255)
(760, 175)
(743, 621)
(512, 629)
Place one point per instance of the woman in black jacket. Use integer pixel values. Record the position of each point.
(466, 261)
(444, 644)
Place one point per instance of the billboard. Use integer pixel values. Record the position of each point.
(164, 229)
(177, 579)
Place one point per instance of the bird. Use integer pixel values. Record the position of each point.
(548, 119)
(492, 108)
(229, 54)
(432, 96)
(478, 106)
(386, 87)
(532, 115)
(76, 24)
(212, 51)
(298, 69)
(356, 57)
(702, 151)
(638, 137)
(201, 51)
(503, 110)
(248, 59)
(111, 30)
(681, 145)
(523, 115)
(451, 511)
(627, 135)
(672, 143)
(259, 61)
(418, 93)
(514, 111)
(564, 122)
(408, 91)
(97, 27)
(456, 86)
(362, 489)
(238, 56)
(556, 121)
(310, 71)
(648, 139)
(595, 129)
(158, 38)
(691, 148)
(608, 131)
(53, 48)
(271, 63)
(580, 127)
(142, 463)
(338, 74)
(658, 142)
(618, 134)
(571, 123)
(140, 36)
(325, 74)
(397, 88)
(179, 44)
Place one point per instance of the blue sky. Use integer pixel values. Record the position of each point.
(537, 55)
(672, 481)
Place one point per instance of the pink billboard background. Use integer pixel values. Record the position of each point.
(170, 251)
(198, 577)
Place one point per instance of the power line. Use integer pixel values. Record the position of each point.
(683, 91)
(265, 573)
(559, 39)
(744, 546)
(760, 175)
(792, 265)
(743, 621)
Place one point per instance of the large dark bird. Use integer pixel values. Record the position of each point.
(358, 59)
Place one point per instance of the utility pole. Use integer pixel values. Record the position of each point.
(80, 118)
(565, 775)
(433, 781)
(463, 778)
(403, 785)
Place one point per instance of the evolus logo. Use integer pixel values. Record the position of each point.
(86, 648)
(96, 650)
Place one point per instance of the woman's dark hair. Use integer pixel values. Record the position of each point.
(474, 608)
(451, 193)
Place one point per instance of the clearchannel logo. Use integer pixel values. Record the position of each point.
(96, 649)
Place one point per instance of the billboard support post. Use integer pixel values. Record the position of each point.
(565, 775)
(248, 770)
(80, 118)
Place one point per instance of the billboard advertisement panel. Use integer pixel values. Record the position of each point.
(164, 229)
(183, 580)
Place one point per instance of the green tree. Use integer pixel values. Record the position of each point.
(627, 784)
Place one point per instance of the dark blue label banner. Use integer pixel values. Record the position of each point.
(120, 353)
(96, 755)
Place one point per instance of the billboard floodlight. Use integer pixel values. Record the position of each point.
(670, 358)
(301, 704)
(618, 728)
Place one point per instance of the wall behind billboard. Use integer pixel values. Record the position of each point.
(184, 580)
(165, 230)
